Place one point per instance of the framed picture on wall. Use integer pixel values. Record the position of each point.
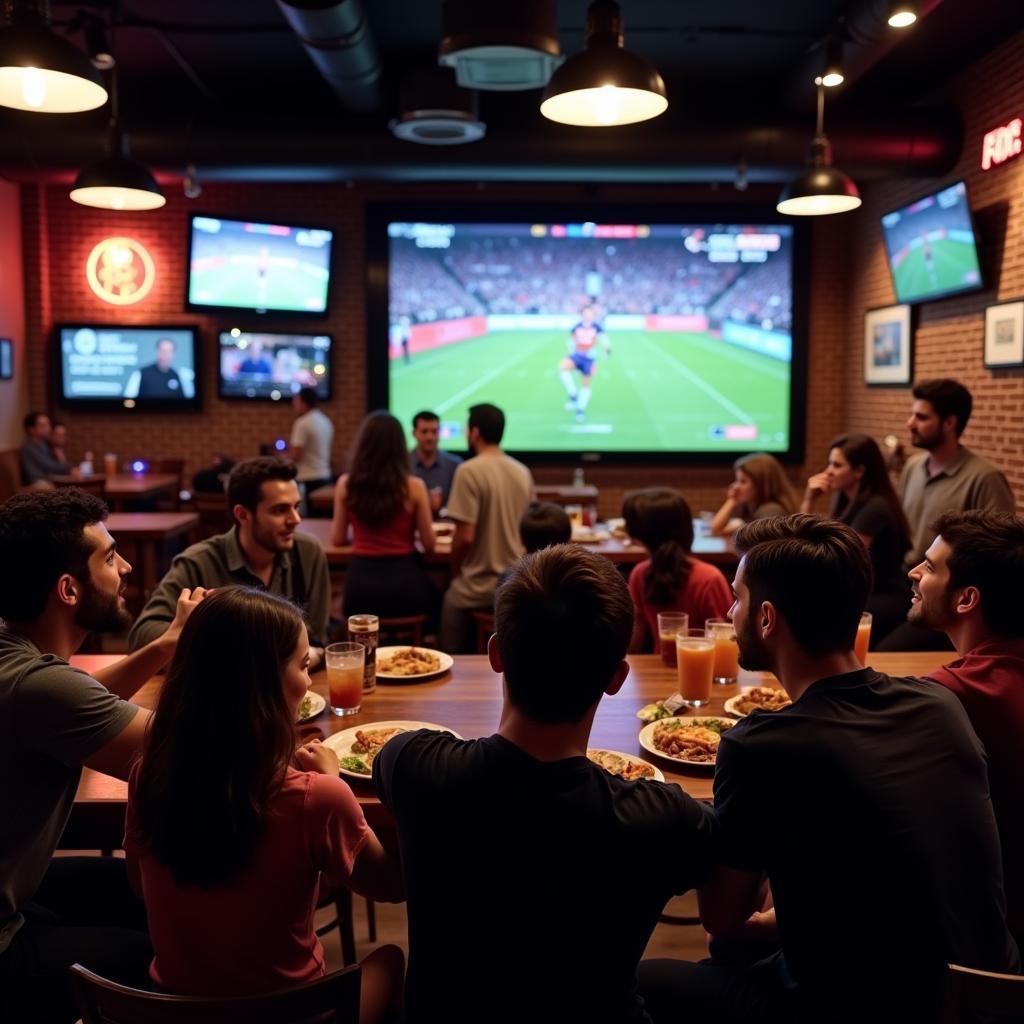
(888, 344)
(6, 359)
(1004, 334)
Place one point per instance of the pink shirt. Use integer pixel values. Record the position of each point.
(395, 537)
(255, 934)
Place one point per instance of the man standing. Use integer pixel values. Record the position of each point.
(310, 443)
(434, 466)
(489, 496)
(584, 862)
(38, 463)
(865, 803)
(62, 579)
(969, 586)
(262, 550)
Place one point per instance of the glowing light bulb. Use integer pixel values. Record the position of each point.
(33, 87)
(606, 104)
(902, 18)
(117, 200)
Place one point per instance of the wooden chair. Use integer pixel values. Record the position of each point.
(483, 622)
(343, 921)
(95, 485)
(105, 1002)
(982, 992)
(213, 513)
(405, 628)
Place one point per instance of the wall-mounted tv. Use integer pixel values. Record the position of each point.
(604, 333)
(932, 247)
(274, 366)
(109, 366)
(264, 268)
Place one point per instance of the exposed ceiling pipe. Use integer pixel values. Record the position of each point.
(337, 37)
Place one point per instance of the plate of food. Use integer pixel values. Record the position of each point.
(310, 706)
(690, 741)
(757, 698)
(410, 664)
(625, 766)
(357, 747)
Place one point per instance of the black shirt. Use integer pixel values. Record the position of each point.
(157, 383)
(867, 803)
(533, 887)
(876, 519)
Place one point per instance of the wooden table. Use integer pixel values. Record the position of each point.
(468, 700)
(147, 532)
(124, 487)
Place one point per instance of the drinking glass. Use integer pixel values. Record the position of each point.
(110, 464)
(669, 624)
(723, 633)
(860, 646)
(695, 664)
(345, 677)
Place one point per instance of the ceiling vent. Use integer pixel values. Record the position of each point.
(500, 46)
(435, 111)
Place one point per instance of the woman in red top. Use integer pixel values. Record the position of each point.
(388, 509)
(671, 580)
(227, 841)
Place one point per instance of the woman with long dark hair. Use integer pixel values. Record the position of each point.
(388, 509)
(760, 489)
(671, 580)
(227, 839)
(863, 497)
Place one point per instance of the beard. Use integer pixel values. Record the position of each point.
(753, 654)
(268, 539)
(99, 612)
(932, 614)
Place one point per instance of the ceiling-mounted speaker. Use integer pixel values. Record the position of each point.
(434, 111)
(500, 46)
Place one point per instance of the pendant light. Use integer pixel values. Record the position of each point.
(605, 84)
(822, 188)
(902, 13)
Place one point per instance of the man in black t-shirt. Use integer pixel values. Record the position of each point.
(534, 878)
(865, 802)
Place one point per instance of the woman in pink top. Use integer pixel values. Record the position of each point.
(388, 509)
(671, 580)
(227, 841)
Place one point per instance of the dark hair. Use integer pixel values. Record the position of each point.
(378, 474)
(202, 816)
(948, 398)
(769, 479)
(816, 572)
(309, 396)
(246, 480)
(489, 420)
(425, 414)
(987, 552)
(862, 451)
(563, 620)
(544, 523)
(661, 520)
(42, 538)
(31, 418)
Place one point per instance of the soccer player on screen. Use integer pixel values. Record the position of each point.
(929, 259)
(585, 335)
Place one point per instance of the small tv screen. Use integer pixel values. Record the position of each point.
(273, 366)
(241, 264)
(128, 367)
(932, 248)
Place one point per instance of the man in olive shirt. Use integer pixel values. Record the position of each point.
(38, 462)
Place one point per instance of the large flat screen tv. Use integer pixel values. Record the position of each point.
(615, 334)
(108, 366)
(273, 366)
(932, 247)
(265, 268)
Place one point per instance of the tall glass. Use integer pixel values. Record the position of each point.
(345, 677)
(669, 624)
(727, 654)
(695, 664)
(860, 646)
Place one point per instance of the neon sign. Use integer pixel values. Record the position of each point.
(120, 271)
(1001, 144)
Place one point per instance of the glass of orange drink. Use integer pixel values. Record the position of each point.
(860, 645)
(695, 665)
(727, 654)
(669, 624)
(345, 677)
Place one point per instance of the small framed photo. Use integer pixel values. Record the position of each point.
(6, 359)
(888, 346)
(1004, 334)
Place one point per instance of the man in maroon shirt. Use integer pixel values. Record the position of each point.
(969, 586)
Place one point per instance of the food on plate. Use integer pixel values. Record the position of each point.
(411, 661)
(352, 763)
(305, 707)
(689, 741)
(368, 743)
(627, 768)
(765, 698)
(653, 712)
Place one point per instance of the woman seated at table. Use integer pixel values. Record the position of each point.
(760, 489)
(671, 580)
(388, 509)
(863, 498)
(227, 840)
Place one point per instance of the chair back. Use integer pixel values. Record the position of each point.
(968, 989)
(91, 485)
(334, 998)
(213, 513)
(403, 629)
(483, 623)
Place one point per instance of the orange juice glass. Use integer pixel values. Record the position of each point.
(669, 624)
(345, 677)
(860, 645)
(727, 653)
(695, 665)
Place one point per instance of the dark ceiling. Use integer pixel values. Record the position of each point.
(229, 86)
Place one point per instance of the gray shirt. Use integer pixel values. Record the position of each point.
(39, 463)
(300, 575)
(52, 718)
(313, 432)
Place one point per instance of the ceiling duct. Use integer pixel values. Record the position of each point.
(434, 111)
(500, 46)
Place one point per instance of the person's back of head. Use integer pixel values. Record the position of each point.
(661, 520)
(246, 479)
(948, 397)
(563, 621)
(770, 479)
(308, 397)
(489, 420)
(30, 421)
(815, 572)
(544, 523)
(378, 472)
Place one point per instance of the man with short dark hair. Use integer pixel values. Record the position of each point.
(63, 579)
(865, 804)
(969, 586)
(262, 550)
(489, 495)
(431, 463)
(38, 463)
(577, 862)
(310, 444)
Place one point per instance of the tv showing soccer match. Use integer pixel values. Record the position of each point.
(605, 337)
(107, 366)
(265, 268)
(932, 248)
(273, 366)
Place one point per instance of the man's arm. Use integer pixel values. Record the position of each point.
(993, 494)
(462, 541)
(730, 903)
(38, 464)
(117, 755)
(162, 605)
(318, 593)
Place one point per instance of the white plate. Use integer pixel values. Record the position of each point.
(731, 706)
(657, 776)
(341, 742)
(317, 703)
(446, 663)
(647, 737)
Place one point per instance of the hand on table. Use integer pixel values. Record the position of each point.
(313, 756)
